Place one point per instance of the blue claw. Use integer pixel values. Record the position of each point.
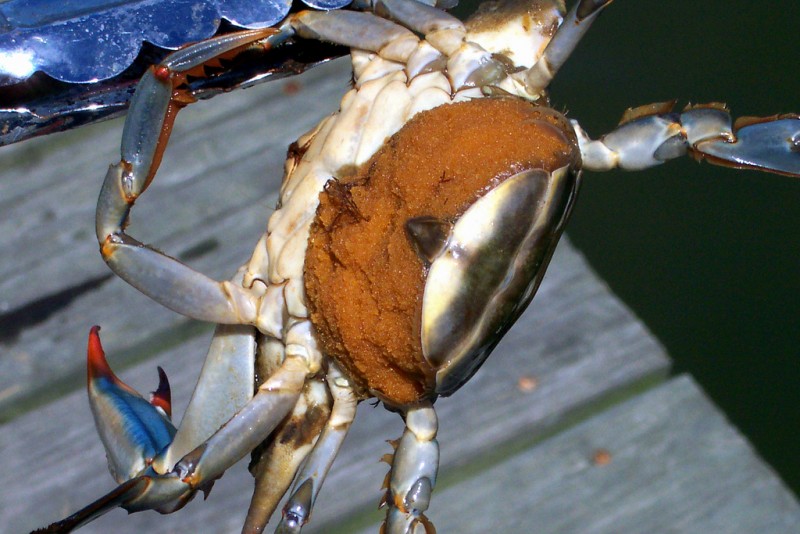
(133, 432)
(138, 434)
(132, 429)
(770, 144)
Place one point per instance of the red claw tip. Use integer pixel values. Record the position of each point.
(162, 396)
(97, 365)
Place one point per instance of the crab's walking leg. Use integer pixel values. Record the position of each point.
(252, 424)
(224, 387)
(147, 129)
(413, 475)
(309, 480)
(566, 38)
(446, 39)
(291, 443)
(650, 135)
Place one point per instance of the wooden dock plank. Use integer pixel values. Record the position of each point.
(674, 465)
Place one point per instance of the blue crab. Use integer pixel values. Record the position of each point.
(479, 262)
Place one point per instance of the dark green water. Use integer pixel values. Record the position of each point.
(709, 258)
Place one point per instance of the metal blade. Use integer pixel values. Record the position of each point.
(93, 40)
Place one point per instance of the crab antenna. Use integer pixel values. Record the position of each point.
(566, 38)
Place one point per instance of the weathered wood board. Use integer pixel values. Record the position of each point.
(674, 465)
(209, 204)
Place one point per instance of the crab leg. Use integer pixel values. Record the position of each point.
(566, 38)
(274, 470)
(147, 129)
(224, 387)
(252, 424)
(650, 135)
(445, 39)
(309, 480)
(413, 474)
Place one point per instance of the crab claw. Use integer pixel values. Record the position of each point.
(161, 398)
(766, 143)
(132, 429)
